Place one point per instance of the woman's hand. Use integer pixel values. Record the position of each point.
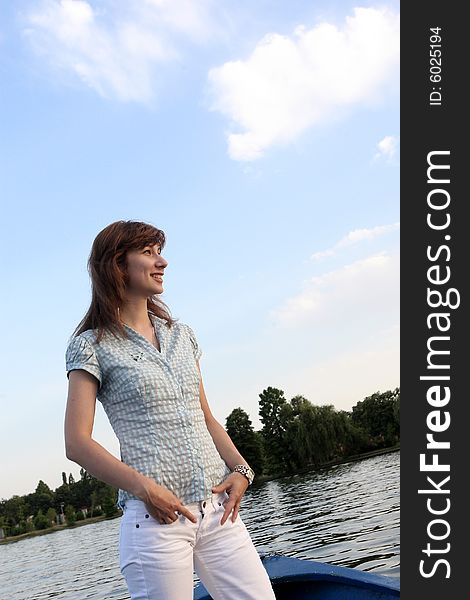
(235, 485)
(163, 505)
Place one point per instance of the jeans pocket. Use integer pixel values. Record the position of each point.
(219, 500)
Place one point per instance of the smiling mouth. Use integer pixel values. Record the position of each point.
(157, 277)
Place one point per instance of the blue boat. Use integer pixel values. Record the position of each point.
(302, 579)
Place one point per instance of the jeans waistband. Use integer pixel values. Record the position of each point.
(215, 500)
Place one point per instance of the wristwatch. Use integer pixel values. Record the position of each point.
(246, 471)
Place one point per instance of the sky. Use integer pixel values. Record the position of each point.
(262, 137)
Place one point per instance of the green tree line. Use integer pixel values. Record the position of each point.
(71, 502)
(295, 435)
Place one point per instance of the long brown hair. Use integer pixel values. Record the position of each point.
(108, 273)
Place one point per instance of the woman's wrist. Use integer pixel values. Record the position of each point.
(245, 470)
(143, 487)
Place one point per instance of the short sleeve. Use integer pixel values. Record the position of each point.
(196, 349)
(80, 354)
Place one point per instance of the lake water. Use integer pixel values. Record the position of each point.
(347, 515)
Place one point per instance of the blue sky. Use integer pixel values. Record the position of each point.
(262, 137)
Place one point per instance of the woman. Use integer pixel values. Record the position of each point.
(181, 479)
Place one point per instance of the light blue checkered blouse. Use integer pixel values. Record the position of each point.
(152, 402)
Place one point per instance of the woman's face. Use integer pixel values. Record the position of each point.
(145, 271)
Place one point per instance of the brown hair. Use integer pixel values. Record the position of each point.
(108, 273)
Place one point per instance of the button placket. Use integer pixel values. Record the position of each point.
(182, 410)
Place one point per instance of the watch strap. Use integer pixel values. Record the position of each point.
(246, 471)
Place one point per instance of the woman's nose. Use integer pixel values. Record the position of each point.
(160, 261)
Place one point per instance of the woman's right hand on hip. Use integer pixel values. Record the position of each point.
(163, 505)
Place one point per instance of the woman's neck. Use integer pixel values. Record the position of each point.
(135, 314)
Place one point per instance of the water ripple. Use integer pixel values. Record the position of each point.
(347, 515)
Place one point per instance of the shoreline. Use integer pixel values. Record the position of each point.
(29, 534)
(259, 480)
(331, 463)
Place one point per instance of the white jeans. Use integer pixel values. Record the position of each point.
(158, 560)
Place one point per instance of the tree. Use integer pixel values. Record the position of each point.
(241, 432)
(41, 521)
(307, 435)
(378, 415)
(43, 488)
(352, 438)
(41, 499)
(51, 516)
(108, 504)
(94, 501)
(84, 475)
(64, 478)
(301, 431)
(311, 432)
(15, 510)
(63, 496)
(82, 490)
(275, 415)
(4, 525)
(298, 403)
(70, 515)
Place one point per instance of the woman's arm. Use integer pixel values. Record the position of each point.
(236, 483)
(81, 448)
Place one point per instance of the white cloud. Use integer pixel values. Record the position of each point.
(289, 84)
(387, 148)
(117, 52)
(366, 287)
(354, 237)
(336, 342)
(194, 18)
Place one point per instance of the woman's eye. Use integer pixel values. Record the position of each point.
(147, 251)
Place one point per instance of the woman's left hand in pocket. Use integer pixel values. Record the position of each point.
(235, 486)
